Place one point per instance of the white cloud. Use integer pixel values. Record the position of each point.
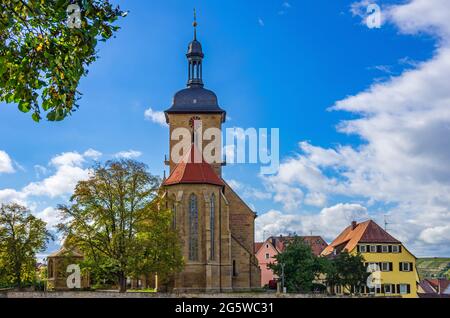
(234, 184)
(92, 153)
(316, 199)
(6, 165)
(40, 170)
(68, 159)
(401, 168)
(260, 22)
(248, 191)
(11, 195)
(130, 154)
(157, 117)
(62, 182)
(328, 223)
(437, 234)
(274, 223)
(49, 215)
(68, 170)
(332, 220)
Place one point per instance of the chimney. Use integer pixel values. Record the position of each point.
(354, 225)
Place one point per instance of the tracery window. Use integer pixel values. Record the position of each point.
(212, 218)
(193, 228)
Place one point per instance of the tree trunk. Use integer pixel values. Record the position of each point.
(122, 283)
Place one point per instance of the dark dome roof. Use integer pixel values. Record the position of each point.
(195, 99)
(195, 48)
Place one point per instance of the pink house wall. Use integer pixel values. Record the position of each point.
(266, 274)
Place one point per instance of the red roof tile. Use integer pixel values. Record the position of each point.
(258, 246)
(365, 232)
(189, 171)
(439, 284)
(317, 243)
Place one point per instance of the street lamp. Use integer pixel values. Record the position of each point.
(282, 278)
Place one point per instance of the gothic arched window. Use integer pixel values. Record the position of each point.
(174, 211)
(212, 218)
(193, 228)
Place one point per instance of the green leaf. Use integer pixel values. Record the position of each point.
(36, 117)
(24, 106)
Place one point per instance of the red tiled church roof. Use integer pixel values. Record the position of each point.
(365, 232)
(189, 171)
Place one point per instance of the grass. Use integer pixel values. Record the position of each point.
(146, 290)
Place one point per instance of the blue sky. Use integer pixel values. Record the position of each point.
(273, 64)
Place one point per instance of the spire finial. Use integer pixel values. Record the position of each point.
(194, 24)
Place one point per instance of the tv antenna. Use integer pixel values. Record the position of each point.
(386, 223)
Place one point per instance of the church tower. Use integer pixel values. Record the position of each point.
(215, 226)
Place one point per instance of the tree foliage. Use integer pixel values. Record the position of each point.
(301, 266)
(42, 57)
(22, 235)
(346, 270)
(119, 221)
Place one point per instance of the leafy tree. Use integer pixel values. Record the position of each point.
(22, 235)
(43, 57)
(301, 266)
(119, 221)
(159, 244)
(346, 270)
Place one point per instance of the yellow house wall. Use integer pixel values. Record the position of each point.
(395, 276)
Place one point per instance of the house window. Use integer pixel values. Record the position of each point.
(267, 245)
(385, 267)
(378, 289)
(403, 289)
(234, 268)
(212, 213)
(388, 289)
(405, 267)
(373, 248)
(193, 228)
(395, 249)
(362, 248)
(267, 256)
(385, 248)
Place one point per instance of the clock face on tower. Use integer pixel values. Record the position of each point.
(192, 120)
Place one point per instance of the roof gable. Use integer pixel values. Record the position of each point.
(365, 232)
(189, 171)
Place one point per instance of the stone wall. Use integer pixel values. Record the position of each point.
(112, 294)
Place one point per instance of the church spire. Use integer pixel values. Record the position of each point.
(194, 24)
(195, 58)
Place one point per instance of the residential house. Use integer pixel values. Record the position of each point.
(394, 265)
(266, 251)
(434, 288)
